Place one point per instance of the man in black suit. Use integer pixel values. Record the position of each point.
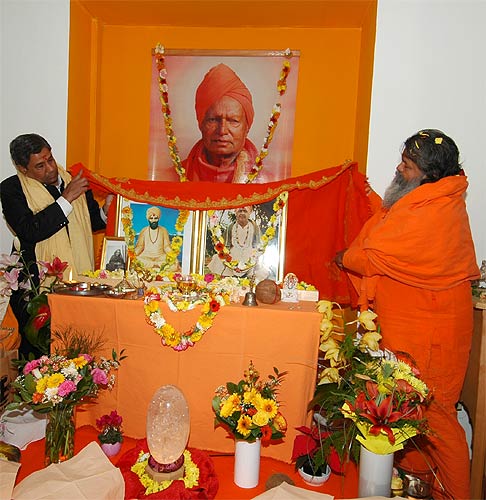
(45, 222)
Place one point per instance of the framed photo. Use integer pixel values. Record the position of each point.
(197, 79)
(114, 254)
(153, 229)
(245, 231)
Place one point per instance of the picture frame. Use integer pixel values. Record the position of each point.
(168, 220)
(259, 71)
(270, 264)
(114, 254)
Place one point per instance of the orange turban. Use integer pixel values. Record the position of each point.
(218, 82)
(153, 211)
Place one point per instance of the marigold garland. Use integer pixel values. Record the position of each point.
(171, 139)
(222, 250)
(190, 478)
(211, 302)
(175, 244)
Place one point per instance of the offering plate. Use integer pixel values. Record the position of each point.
(81, 288)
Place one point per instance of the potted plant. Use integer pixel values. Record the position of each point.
(111, 436)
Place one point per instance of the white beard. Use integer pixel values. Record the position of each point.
(398, 188)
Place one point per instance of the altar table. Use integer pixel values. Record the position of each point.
(283, 335)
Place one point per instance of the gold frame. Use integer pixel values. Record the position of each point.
(278, 241)
(189, 235)
(122, 245)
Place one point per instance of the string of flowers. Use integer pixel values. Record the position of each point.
(175, 244)
(190, 478)
(223, 252)
(166, 113)
(211, 301)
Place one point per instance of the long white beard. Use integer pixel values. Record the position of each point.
(398, 188)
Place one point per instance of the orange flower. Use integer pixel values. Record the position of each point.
(266, 434)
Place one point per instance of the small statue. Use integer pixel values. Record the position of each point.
(289, 290)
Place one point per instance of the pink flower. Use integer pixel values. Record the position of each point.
(66, 388)
(208, 278)
(31, 365)
(99, 377)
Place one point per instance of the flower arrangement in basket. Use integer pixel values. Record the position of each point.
(110, 426)
(364, 394)
(55, 384)
(249, 409)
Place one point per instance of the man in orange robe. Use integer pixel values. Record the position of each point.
(413, 262)
(224, 110)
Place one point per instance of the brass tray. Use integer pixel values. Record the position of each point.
(82, 289)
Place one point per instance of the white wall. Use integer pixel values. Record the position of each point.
(430, 72)
(33, 82)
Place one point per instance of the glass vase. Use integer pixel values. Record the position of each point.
(59, 434)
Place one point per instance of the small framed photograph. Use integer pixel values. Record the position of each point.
(153, 233)
(114, 254)
(254, 242)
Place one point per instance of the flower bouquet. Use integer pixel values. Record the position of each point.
(54, 385)
(369, 387)
(14, 275)
(249, 409)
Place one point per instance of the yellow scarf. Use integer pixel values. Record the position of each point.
(62, 243)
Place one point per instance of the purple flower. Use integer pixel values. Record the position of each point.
(66, 388)
(99, 377)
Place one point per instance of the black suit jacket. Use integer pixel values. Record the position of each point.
(32, 228)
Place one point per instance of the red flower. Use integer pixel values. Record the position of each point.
(56, 268)
(228, 258)
(214, 306)
(42, 316)
(266, 434)
(219, 246)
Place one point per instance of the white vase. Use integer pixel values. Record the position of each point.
(375, 474)
(247, 463)
(111, 449)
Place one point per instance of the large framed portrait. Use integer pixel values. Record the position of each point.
(221, 103)
(114, 254)
(245, 242)
(153, 233)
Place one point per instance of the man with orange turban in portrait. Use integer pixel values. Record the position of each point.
(224, 111)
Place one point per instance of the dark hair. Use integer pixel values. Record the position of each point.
(435, 154)
(25, 145)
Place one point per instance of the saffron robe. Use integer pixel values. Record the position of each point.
(413, 263)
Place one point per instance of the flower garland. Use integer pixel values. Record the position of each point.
(175, 244)
(217, 237)
(190, 478)
(211, 303)
(166, 112)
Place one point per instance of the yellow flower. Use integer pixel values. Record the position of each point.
(55, 380)
(325, 307)
(79, 362)
(366, 319)
(252, 397)
(329, 376)
(41, 385)
(370, 341)
(326, 328)
(196, 336)
(260, 418)
(270, 407)
(331, 349)
(151, 307)
(280, 422)
(230, 405)
(205, 321)
(244, 425)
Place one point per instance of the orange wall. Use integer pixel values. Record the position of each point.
(333, 89)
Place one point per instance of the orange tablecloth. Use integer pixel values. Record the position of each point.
(279, 335)
(340, 486)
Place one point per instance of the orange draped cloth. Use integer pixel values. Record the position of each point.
(326, 210)
(416, 262)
